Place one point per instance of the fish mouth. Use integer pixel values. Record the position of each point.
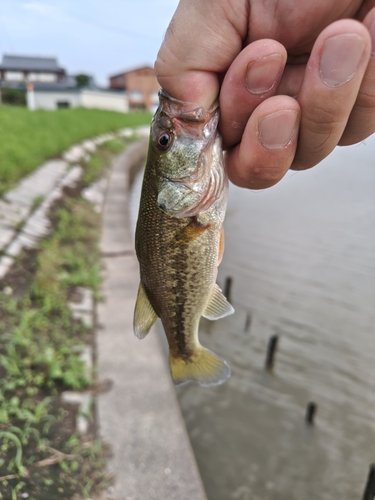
(188, 118)
(189, 112)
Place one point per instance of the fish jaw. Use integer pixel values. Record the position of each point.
(176, 199)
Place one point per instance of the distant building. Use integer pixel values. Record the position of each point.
(50, 87)
(55, 97)
(141, 86)
(21, 69)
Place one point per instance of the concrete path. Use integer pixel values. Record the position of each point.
(140, 416)
(24, 210)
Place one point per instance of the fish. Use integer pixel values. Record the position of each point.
(179, 236)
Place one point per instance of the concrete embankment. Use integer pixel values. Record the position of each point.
(139, 416)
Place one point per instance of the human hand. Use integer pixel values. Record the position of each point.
(296, 78)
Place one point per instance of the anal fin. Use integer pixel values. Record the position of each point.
(144, 314)
(217, 306)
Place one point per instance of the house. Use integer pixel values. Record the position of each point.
(141, 86)
(16, 69)
(50, 87)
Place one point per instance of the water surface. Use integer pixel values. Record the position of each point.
(301, 255)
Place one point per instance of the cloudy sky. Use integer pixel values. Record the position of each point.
(99, 37)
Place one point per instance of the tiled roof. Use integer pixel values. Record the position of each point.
(28, 63)
(131, 71)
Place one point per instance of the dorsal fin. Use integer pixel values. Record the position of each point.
(217, 306)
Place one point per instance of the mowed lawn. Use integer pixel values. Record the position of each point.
(28, 138)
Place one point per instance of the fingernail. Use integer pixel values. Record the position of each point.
(340, 58)
(275, 131)
(262, 74)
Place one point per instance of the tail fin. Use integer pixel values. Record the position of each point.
(203, 367)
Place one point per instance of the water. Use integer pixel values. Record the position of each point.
(301, 256)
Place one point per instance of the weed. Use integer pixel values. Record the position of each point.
(114, 145)
(37, 201)
(101, 158)
(39, 452)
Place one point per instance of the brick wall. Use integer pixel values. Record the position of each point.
(141, 85)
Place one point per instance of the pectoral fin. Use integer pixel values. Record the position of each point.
(221, 247)
(218, 306)
(189, 233)
(144, 314)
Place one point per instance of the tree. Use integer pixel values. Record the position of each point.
(16, 97)
(82, 80)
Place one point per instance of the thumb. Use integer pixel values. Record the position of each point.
(200, 44)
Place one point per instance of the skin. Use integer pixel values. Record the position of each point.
(310, 68)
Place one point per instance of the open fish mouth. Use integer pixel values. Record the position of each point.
(184, 113)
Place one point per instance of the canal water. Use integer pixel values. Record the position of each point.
(301, 256)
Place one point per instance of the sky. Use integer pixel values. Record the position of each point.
(96, 37)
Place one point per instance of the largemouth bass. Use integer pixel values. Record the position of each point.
(179, 236)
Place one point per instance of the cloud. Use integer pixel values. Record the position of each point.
(86, 35)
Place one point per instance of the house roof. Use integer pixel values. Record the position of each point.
(120, 73)
(30, 63)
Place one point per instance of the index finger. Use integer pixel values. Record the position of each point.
(252, 77)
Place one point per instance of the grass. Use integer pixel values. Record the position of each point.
(28, 138)
(40, 453)
(102, 156)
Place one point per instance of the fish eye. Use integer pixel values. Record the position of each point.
(164, 141)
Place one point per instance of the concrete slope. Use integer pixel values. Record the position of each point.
(139, 416)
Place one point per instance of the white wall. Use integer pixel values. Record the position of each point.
(14, 76)
(42, 77)
(100, 99)
(49, 99)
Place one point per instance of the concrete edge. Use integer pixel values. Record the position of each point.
(140, 416)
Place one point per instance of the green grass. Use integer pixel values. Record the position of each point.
(101, 158)
(28, 138)
(39, 358)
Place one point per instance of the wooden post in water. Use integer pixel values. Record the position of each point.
(271, 352)
(311, 412)
(369, 493)
(228, 289)
(247, 322)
